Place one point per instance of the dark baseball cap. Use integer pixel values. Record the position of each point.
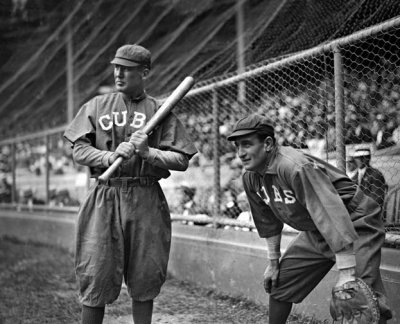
(132, 55)
(252, 124)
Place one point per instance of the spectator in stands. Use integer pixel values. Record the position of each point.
(5, 159)
(383, 136)
(5, 189)
(243, 203)
(187, 205)
(362, 134)
(371, 180)
(191, 208)
(396, 131)
(28, 197)
(230, 192)
(338, 223)
(234, 184)
(62, 198)
(229, 204)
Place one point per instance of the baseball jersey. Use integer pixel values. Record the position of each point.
(304, 192)
(108, 120)
(123, 230)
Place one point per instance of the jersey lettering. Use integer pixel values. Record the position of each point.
(289, 197)
(118, 123)
(101, 122)
(106, 122)
(138, 120)
(277, 194)
(263, 195)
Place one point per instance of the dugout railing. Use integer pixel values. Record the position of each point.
(325, 100)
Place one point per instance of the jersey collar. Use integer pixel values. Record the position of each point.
(273, 162)
(136, 99)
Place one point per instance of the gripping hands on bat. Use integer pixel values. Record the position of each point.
(138, 144)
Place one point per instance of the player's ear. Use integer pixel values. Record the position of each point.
(145, 73)
(268, 144)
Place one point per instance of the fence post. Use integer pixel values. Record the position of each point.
(216, 150)
(47, 172)
(70, 74)
(339, 109)
(13, 173)
(241, 97)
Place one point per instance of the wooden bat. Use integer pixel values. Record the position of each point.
(160, 114)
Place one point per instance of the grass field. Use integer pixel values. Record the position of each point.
(38, 286)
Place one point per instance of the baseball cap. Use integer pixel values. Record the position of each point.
(132, 55)
(253, 123)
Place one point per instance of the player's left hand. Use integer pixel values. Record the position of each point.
(271, 275)
(140, 140)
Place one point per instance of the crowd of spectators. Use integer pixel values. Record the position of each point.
(31, 162)
(305, 120)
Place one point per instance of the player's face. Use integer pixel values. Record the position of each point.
(251, 152)
(360, 162)
(351, 165)
(129, 80)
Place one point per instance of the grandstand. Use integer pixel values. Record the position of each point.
(186, 38)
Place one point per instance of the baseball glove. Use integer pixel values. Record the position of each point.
(354, 303)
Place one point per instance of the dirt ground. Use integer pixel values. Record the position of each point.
(38, 286)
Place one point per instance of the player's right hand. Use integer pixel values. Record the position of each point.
(271, 275)
(125, 149)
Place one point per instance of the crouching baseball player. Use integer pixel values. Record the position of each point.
(124, 225)
(338, 224)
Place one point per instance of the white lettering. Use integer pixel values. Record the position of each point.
(101, 122)
(277, 194)
(138, 120)
(289, 197)
(123, 118)
(263, 195)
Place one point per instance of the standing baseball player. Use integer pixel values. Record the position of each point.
(124, 226)
(371, 180)
(338, 223)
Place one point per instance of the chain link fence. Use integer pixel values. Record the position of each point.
(327, 101)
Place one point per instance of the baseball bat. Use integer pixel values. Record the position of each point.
(160, 114)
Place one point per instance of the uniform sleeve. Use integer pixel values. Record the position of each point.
(174, 137)
(85, 154)
(83, 123)
(168, 160)
(316, 193)
(266, 222)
